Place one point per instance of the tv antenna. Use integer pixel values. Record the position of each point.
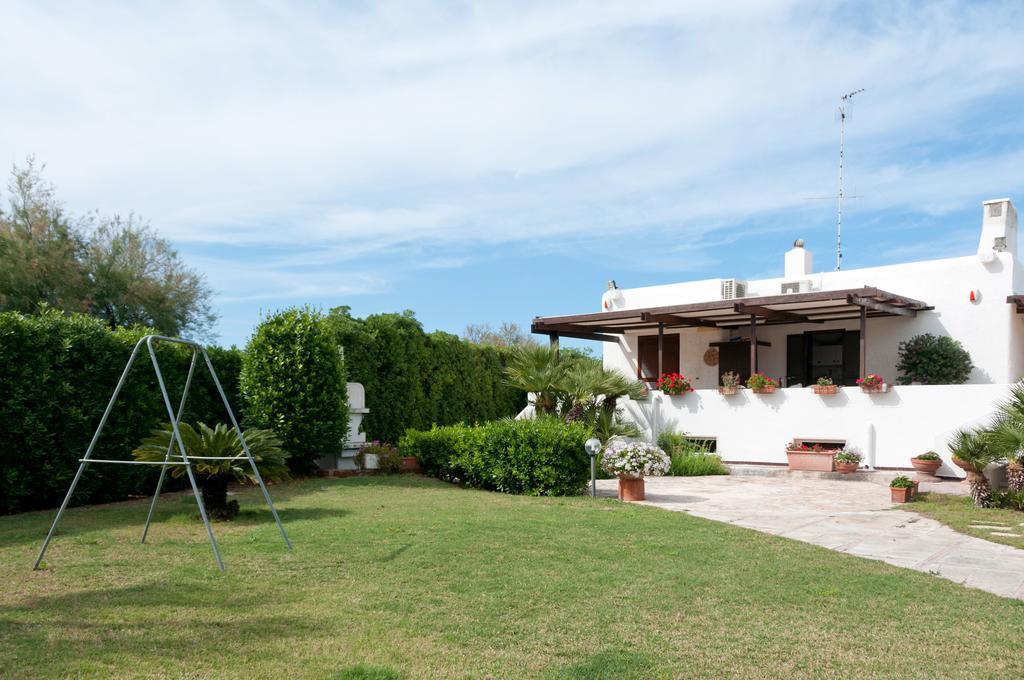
(842, 113)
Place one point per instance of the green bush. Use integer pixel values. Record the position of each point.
(933, 360)
(389, 460)
(541, 457)
(294, 382)
(690, 457)
(57, 373)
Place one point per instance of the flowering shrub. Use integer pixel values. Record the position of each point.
(674, 383)
(730, 379)
(634, 459)
(872, 380)
(848, 456)
(760, 381)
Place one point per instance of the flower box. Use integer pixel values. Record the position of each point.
(727, 391)
(769, 389)
(814, 461)
(825, 389)
(873, 389)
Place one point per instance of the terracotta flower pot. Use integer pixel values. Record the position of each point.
(728, 390)
(964, 465)
(410, 464)
(901, 495)
(815, 461)
(928, 467)
(631, 489)
(763, 390)
(825, 389)
(846, 468)
(873, 389)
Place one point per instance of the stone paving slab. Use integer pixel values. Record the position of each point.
(855, 517)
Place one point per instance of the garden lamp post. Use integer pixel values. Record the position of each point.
(593, 447)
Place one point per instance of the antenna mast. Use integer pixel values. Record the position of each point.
(844, 103)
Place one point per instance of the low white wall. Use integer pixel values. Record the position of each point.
(896, 425)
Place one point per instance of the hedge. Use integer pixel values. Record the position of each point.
(414, 380)
(57, 373)
(540, 457)
(294, 383)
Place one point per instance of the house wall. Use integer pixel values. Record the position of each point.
(988, 328)
(755, 428)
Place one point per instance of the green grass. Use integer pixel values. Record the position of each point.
(411, 578)
(959, 513)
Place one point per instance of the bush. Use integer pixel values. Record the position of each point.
(690, 457)
(540, 457)
(294, 383)
(389, 460)
(933, 360)
(57, 373)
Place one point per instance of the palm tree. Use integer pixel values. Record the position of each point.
(1007, 436)
(539, 371)
(213, 475)
(974, 448)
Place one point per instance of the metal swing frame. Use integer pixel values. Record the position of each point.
(185, 459)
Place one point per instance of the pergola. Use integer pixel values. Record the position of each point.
(816, 307)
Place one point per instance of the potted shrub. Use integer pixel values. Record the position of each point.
(730, 383)
(901, 489)
(674, 384)
(631, 462)
(847, 461)
(872, 383)
(382, 457)
(926, 463)
(213, 476)
(815, 458)
(759, 383)
(825, 386)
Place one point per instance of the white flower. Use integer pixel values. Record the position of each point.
(635, 459)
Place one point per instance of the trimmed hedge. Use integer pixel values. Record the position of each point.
(415, 380)
(294, 382)
(540, 457)
(57, 373)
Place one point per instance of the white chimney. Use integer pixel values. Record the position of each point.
(998, 227)
(798, 261)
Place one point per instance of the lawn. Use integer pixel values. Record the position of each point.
(959, 512)
(408, 577)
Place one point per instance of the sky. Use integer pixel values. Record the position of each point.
(489, 162)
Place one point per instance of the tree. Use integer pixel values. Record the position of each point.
(508, 335)
(119, 270)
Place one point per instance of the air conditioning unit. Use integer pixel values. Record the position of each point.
(803, 286)
(732, 289)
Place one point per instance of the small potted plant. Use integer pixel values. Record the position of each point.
(730, 383)
(631, 462)
(872, 383)
(847, 461)
(759, 383)
(901, 489)
(812, 457)
(674, 384)
(927, 463)
(380, 457)
(825, 386)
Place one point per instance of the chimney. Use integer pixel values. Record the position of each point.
(798, 261)
(998, 227)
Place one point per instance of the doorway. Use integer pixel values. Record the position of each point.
(815, 354)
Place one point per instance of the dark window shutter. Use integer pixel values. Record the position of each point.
(796, 359)
(851, 357)
(647, 346)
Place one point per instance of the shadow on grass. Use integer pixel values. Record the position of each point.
(610, 664)
(361, 672)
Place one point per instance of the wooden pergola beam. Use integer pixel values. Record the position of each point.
(554, 335)
(673, 320)
(871, 303)
(775, 314)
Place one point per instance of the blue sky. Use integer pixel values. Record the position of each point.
(481, 162)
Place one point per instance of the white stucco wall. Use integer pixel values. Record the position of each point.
(895, 425)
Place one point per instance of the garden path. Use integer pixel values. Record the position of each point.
(854, 517)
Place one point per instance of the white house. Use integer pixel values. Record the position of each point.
(807, 324)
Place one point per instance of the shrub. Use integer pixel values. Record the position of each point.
(690, 457)
(389, 460)
(294, 382)
(933, 360)
(539, 457)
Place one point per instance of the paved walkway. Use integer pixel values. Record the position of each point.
(849, 516)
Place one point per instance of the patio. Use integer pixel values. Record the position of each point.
(854, 517)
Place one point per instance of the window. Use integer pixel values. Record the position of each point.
(647, 351)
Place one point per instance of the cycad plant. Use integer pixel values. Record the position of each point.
(1007, 436)
(974, 447)
(213, 476)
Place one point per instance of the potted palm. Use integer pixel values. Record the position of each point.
(901, 489)
(847, 461)
(631, 462)
(1007, 436)
(759, 383)
(825, 386)
(213, 476)
(927, 463)
(730, 383)
(972, 450)
(871, 383)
